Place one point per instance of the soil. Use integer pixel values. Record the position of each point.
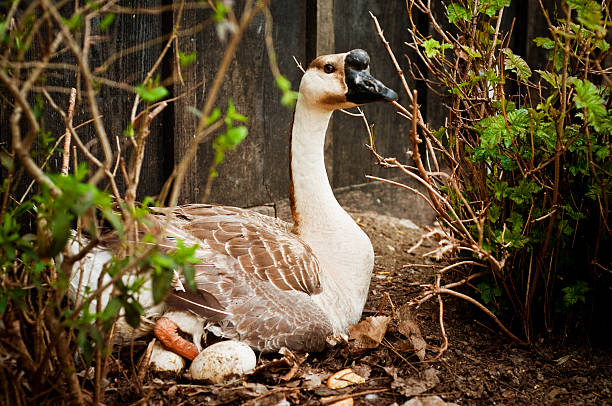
(480, 367)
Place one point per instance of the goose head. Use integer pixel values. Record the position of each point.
(340, 81)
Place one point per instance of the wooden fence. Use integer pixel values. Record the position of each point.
(257, 172)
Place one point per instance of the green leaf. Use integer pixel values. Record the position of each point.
(471, 52)
(282, 83)
(457, 12)
(114, 220)
(235, 136)
(133, 311)
(187, 59)
(587, 97)
(214, 116)
(112, 308)
(491, 7)
(603, 45)
(85, 346)
(289, 98)
(129, 131)
(74, 22)
(60, 231)
(3, 302)
(552, 78)
(220, 11)
(162, 260)
(589, 14)
(151, 94)
(488, 292)
(232, 114)
(432, 47)
(544, 42)
(185, 257)
(523, 191)
(516, 64)
(107, 21)
(3, 25)
(219, 158)
(7, 161)
(575, 293)
(161, 284)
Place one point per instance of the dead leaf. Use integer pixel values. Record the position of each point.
(171, 392)
(408, 326)
(555, 392)
(274, 368)
(426, 401)
(312, 379)
(369, 333)
(362, 370)
(412, 385)
(293, 360)
(343, 402)
(344, 378)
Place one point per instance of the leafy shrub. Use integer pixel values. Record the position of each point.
(520, 173)
(49, 345)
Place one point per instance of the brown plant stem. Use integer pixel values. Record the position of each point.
(560, 130)
(67, 134)
(484, 309)
(60, 342)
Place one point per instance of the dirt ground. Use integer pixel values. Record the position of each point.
(480, 367)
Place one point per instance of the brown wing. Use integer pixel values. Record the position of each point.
(263, 246)
(255, 279)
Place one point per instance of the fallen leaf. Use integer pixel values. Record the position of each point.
(362, 370)
(408, 326)
(312, 379)
(172, 391)
(273, 369)
(343, 402)
(426, 401)
(555, 392)
(413, 386)
(368, 333)
(293, 360)
(344, 378)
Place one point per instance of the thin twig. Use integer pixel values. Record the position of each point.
(66, 156)
(333, 399)
(444, 345)
(484, 309)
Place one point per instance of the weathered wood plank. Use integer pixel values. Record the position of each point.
(127, 31)
(290, 22)
(257, 171)
(354, 29)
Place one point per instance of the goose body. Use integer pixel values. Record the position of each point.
(261, 280)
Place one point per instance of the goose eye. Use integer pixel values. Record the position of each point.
(329, 68)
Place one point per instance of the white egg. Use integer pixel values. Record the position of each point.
(222, 361)
(163, 360)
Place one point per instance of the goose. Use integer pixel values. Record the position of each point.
(263, 281)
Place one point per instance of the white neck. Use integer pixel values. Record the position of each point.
(344, 251)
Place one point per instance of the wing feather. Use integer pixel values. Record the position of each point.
(264, 247)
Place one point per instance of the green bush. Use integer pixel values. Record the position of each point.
(523, 186)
